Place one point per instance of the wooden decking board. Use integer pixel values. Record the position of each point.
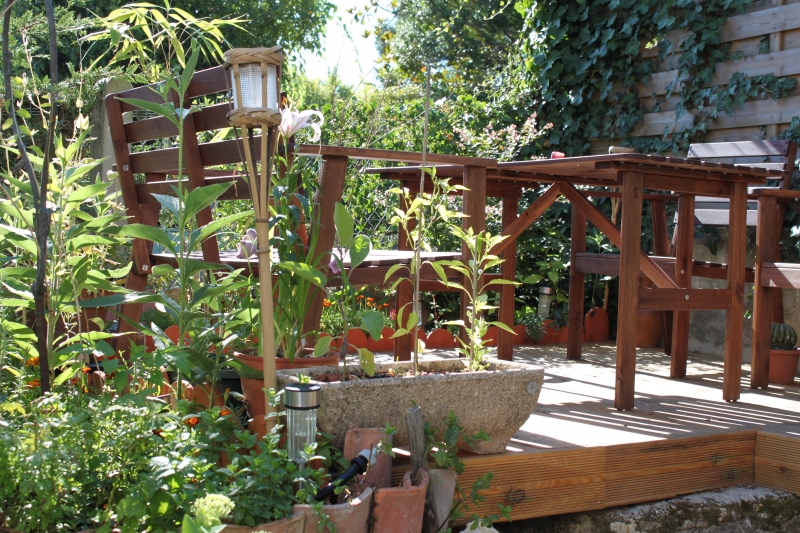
(576, 453)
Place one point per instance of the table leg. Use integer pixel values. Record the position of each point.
(474, 201)
(735, 316)
(763, 300)
(684, 248)
(631, 234)
(505, 312)
(576, 286)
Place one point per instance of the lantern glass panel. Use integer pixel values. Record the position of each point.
(250, 83)
(301, 428)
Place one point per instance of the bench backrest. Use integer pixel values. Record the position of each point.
(156, 165)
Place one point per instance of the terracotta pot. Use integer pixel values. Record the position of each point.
(649, 328)
(356, 338)
(293, 524)
(783, 366)
(386, 342)
(400, 509)
(281, 363)
(256, 398)
(351, 517)
(595, 325)
(440, 338)
(521, 336)
(553, 335)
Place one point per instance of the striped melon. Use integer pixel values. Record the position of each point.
(783, 337)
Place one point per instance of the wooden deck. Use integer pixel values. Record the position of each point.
(578, 453)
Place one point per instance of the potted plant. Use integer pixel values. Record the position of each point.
(492, 395)
(783, 356)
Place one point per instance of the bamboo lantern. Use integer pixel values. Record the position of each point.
(254, 76)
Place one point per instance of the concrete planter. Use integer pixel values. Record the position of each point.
(497, 401)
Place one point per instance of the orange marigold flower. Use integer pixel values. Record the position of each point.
(158, 432)
(326, 303)
(192, 422)
(360, 297)
(32, 383)
(224, 412)
(33, 361)
(86, 370)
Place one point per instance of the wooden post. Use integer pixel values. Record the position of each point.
(683, 276)
(576, 286)
(630, 235)
(735, 316)
(331, 187)
(766, 251)
(505, 313)
(658, 211)
(474, 199)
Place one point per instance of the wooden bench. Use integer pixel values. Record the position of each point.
(215, 162)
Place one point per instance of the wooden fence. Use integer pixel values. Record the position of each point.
(755, 119)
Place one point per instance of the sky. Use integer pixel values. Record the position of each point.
(355, 55)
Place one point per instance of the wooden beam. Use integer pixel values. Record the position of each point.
(651, 269)
(661, 245)
(766, 251)
(629, 264)
(576, 286)
(534, 211)
(331, 186)
(737, 250)
(505, 340)
(683, 300)
(684, 247)
(474, 209)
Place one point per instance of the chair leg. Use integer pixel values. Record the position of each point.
(133, 312)
(658, 212)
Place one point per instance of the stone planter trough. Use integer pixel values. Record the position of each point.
(497, 401)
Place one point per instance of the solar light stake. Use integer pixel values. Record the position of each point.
(301, 402)
(545, 297)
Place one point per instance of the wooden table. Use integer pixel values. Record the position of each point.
(632, 174)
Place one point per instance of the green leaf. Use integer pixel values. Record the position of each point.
(67, 374)
(391, 271)
(413, 320)
(83, 193)
(212, 227)
(373, 322)
(367, 360)
(323, 346)
(189, 525)
(502, 326)
(165, 110)
(148, 233)
(359, 250)
(305, 271)
(203, 197)
(345, 224)
(163, 270)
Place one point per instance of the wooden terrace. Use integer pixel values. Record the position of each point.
(579, 453)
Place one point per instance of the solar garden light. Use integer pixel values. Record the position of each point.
(254, 75)
(545, 297)
(301, 401)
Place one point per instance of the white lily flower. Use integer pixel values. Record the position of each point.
(294, 121)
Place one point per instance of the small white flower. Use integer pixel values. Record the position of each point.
(294, 121)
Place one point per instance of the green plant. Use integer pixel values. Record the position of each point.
(474, 290)
(442, 448)
(782, 336)
(424, 215)
(534, 325)
(208, 512)
(355, 248)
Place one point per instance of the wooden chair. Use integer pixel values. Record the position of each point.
(203, 161)
(774, 155)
